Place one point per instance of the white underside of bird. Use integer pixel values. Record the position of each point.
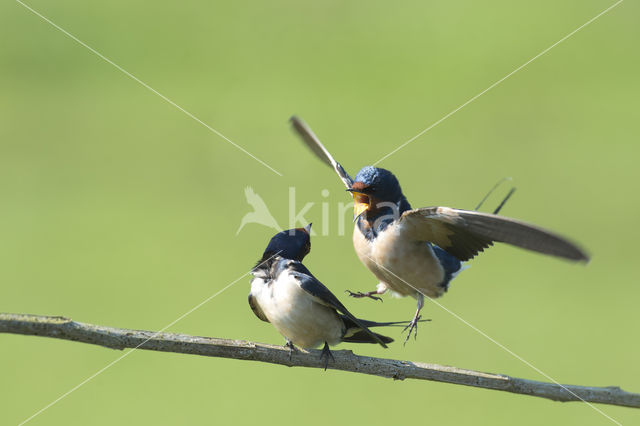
(403, 265)
(296, 314)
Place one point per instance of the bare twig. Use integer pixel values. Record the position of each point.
(118, 338)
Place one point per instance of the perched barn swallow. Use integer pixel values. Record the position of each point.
(284, 293)
(417, 252)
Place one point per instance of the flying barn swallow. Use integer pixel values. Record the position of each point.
(417, 252)
(284, 293)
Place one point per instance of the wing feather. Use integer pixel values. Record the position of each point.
(255, 307)
(323, 295)
(465, 233)
(312, 141)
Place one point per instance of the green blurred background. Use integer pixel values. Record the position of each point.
(118, 209)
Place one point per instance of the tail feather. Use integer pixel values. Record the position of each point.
(388, 324)
(356, 334)
(361, 336)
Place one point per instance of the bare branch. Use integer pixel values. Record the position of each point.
(118, 338)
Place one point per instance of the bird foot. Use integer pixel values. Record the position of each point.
(413, 328)
(369, 294)
(291, 347)
(325, 355)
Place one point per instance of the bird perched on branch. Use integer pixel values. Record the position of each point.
(417, 252)
(284, 293)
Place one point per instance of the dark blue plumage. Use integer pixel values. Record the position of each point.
(386, 200)
(382, 185)
(290, 244)
(449, 263)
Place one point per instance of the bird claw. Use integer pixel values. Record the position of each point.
(360, 294)
(413, 328)
(291, 347)
(325, 355)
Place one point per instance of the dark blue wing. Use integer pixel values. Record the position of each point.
(311, 285)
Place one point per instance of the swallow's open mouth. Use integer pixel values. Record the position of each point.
(361, 204)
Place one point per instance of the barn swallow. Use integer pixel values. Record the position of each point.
(417, 252)
(284, 293)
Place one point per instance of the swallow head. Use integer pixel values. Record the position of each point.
(373, 186)
(292, 244)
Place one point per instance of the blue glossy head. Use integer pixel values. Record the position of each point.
(292, 244)
(378, 183)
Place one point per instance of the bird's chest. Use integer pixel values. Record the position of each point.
(295, 313)
(405, 265)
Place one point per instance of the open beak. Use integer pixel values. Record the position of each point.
(360, 204)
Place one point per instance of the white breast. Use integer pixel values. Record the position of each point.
(295, 313)
(403, 265)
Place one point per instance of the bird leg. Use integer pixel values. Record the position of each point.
(291, 347)
(325, 355)
(369, 294)
(413, 324)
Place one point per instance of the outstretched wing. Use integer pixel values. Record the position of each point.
(312, 141)
(323, 295)
(465, 233)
